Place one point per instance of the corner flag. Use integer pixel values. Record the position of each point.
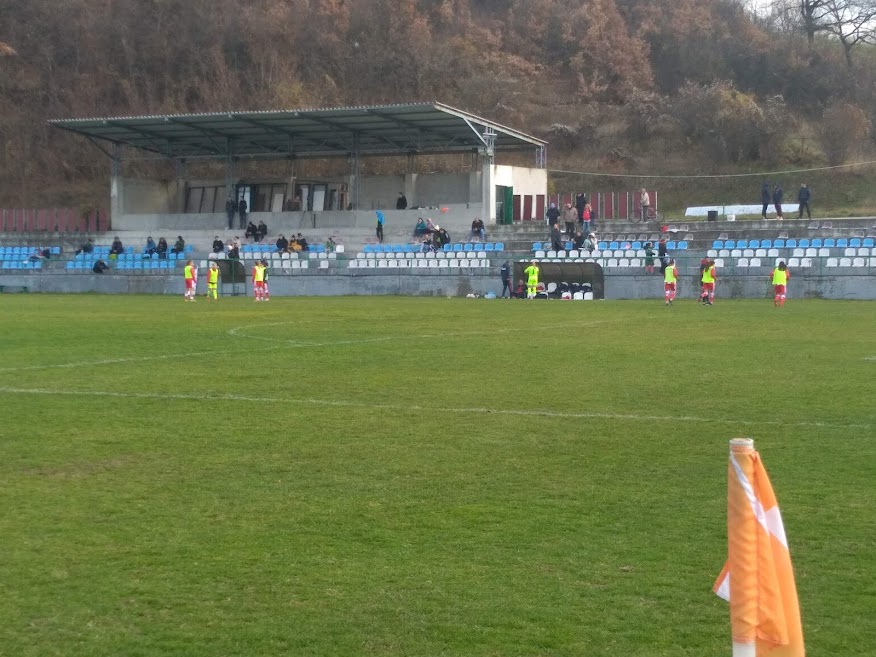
(758, 579)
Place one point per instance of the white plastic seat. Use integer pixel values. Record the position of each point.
(636, 262)
(323, 264)
(383, 264)
(284, 255)
(859, 262)
(805, 262)
(811, 253)
(444, 263)
(711, 253)
(578, 296)
(322, 256)
(295, 264)
(314, 256)
(486, 264)
(849, 253)
(411, 256)
(353, 264)
(845, 262)
(339, 248)
(561, 254)
(482, 255)
(574, 253)
(742, 262)
(640, 253)
(419, 255)
(392, 264)
(540, 254)
(304, 264)
(793, 262)
(629, 253)
(773, 253)
(832, 262)
(736, 253)
(380, 256)
(864, 251)
(612, 262)
(719, 262)
(623, 262)
(371, 263)
(754, 262)
(440, 255)
(723, 253)
(551, 254)
(430, 255)
(293, 256)
(798, 253)
(747, 253)
(435, 264)
(760, 253)
(332, 256)
(454, 264)
(285, 264)
(588, 296)
(823, 252)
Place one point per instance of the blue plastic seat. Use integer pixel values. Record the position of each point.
(189, 248)
(408, 248)
(671, 246)
(56, 250)
(536, 246)
(468, 246)
(70, 265)
(779, 244)
(730, 244)
(855, 242)
(489, 246)
(569, 246)
(766, 244)
(636, 245)
(682, 245)
(804, 243)
(791, 243)
(164, 264)
(613, 246)
(457, 248)
(602, 246)
(479, 247)
(868, 243)
(842, 242)
(499, 246)
(447, 248)
(816, 243)
(367, 249)
(129, 249)
(829, 243)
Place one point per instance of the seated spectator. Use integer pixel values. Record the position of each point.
(420, 228)
(180, 245)
(303, 243)
(520, 292)
(430, 227)
(477, 230)
(99, 267)
(236, 242)
(46, 253)
(88, 247)
(218, 246)
(150, 246)
(591, 244)
(161, 249)
(261, 231)
(117, 249)
(443, 235)
(579, 240)
(294, 246)
(282, 244)
(36, 256)
(330, 245)
(251, 230)
(233, 250)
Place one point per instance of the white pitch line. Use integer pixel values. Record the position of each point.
(413, 408)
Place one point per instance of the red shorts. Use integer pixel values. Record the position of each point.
(780, 289)
(708, 287)
(190, 283)
(258, 283)
(669, 287)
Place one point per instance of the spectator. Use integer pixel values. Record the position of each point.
(430, 227)
(161, 249)
(580, 202)
(262, 231)
(556, 238)
(649, 258)
(303, 243)
(441, 236)
(99, 267)
(296, 204)
(282, 244)
(645, 201)
(586, 218)
(477, 229)
(570, 218)
(88, 247)
(803, 198)
(330, 245)
(218, 246)
(379, 226)
(765, 198)
(116, 249)
(236, 242)
(579, 241)
(230, 207)
(36, 256)
(180, 245)
(294, 246)
(242, 207)
(505, 274)
(778, 197)
(662, 254)
(420, 228)
(46, 253)
(520, 292)
(251, 231)
(150, 246)
(400, 204)
(591, 244)
(552, 215)
(233, 250)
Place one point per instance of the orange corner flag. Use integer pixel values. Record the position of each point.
(758, 579)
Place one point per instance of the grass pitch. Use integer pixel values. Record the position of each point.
(392, 476)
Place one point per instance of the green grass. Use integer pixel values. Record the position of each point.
(302, 486)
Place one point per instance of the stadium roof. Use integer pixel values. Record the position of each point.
(338, 132)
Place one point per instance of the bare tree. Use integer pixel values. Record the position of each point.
(812, 17)
(851, 22)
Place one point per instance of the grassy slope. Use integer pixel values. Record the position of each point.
(211, 526)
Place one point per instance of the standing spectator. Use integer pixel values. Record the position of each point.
(645, 201)
(556, 238)
(552, 215)
(649, 258)
(778, 196)
(402, 202)
(586, 218)
(261, 231)
(477, 230)
(580, 202)
(218, 246)
(662, 254)
(765, 198)
(150, 246)
(380, 225)
(803, 198)
(282, 244)
(230, 207)
(161, 249)
(180, 245)
(236, 242)
(570, 218)
(242, 207)
(505, 273)
(116, 249)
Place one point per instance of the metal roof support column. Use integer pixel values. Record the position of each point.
(488, 189)
(541, 157)
(117, 187)
(355, 173)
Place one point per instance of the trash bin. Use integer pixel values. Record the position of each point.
(713, 215)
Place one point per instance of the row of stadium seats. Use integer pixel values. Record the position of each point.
(431, 255)
(131, 257)
(466, 247)
(447, 263)
(264, 255)
(22, 264)
(810, 252)
(267, 248)
(790, 243)
(614, 246)
(22, 252)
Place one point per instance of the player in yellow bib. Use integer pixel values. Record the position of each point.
(190, 273)
(531, 279)
(213, 281)
(779, 279)
(670, 278)
(258, 281)
(708, 279)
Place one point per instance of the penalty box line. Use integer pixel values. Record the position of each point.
(413, 408)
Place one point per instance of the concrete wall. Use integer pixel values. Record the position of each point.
(420, 189)
(152, 196)
(851, 287)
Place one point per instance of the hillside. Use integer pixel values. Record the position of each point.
(615, 85)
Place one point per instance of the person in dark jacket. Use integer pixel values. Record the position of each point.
(230, 208)
(251, 231)
(150, 246)
(778, 196)
(218, 246)
(803, 197)
(117, 249)
(765, 198)
(580, 202)
(402, 202)
(99, 267)
(242, 207)
(261, 231)
(180, 245)
(663, 254)
(552, 215)
(282, 244)
(556, 238)
(505, 273)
